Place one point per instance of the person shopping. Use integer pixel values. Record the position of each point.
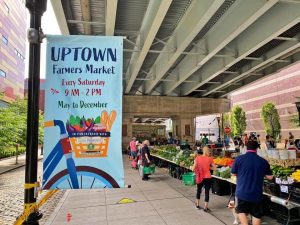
(250, 170)
(146, 157)
(202, 166)
(133, 148)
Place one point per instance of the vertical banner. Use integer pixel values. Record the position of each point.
(83, 113)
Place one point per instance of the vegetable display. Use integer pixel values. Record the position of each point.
(296, 175)
(180, 157)
(281, 172)
(223, 161)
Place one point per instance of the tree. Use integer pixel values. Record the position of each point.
(13, 124)
(238, 121)
(41, 128)
(270, 117)
(227, 122)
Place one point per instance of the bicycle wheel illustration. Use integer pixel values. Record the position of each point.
(91, 177)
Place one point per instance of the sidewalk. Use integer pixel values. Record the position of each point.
(10, 163)
(161, 200)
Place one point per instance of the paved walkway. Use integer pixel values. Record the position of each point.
(161, 200)
(10, 163)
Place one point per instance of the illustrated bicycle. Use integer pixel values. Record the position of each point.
(73, 176)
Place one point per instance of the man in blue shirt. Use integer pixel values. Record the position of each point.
(250, 170)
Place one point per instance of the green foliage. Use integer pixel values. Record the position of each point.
(41, 128)
(294, 120)
(11, 151)
(13, 124)
(238, 121)
(270, 117)
(227, 122)
(226, 119)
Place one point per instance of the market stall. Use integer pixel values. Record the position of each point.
(283, 191)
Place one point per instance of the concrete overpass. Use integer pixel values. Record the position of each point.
(190, 48)
(181, 110)
(199, 48)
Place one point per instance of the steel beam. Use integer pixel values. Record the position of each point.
(110, 17)
(60, 17)
(285, 39)
(261, 32)
(250, 69)
(195, 18)
(223, 33)
(85, 22)
(144, 120)
(154, 16)
(86, 16)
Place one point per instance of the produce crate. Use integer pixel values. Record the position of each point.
(272, 188)
(149, 169)
(281, 214)
(220, 187)
(188, 178)
(292, 193)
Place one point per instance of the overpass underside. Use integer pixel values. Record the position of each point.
(182, 111)
(195, 48)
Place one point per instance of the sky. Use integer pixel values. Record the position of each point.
(48, 28)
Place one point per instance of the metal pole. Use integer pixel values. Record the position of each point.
(17, 153)
(36, 9)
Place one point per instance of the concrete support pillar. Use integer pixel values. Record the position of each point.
(126, 130)
(184, 128)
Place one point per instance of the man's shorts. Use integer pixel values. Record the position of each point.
(253, 208)
(133, 154)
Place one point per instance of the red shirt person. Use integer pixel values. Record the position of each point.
(133, 148)
(202, 166)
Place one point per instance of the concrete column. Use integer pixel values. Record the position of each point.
(127, 132)
(185, 128)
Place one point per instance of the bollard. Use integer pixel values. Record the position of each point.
(17, 153)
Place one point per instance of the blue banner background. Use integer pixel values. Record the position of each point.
(56, 91)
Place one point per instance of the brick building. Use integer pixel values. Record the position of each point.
(281, 88)
(13, 17)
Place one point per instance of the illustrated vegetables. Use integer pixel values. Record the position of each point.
(102, 123)
(77, 124)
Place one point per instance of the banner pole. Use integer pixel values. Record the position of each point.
(36, 9)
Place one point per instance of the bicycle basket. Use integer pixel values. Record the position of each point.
(92, 141)
(90, 147)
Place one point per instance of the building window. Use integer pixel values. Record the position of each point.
(19, 55)
(6, 8)
(4, 40)
(2, 73)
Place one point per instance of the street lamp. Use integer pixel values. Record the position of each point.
(36, 9)
(298, 108)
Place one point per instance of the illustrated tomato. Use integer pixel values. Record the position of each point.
(88, 123)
